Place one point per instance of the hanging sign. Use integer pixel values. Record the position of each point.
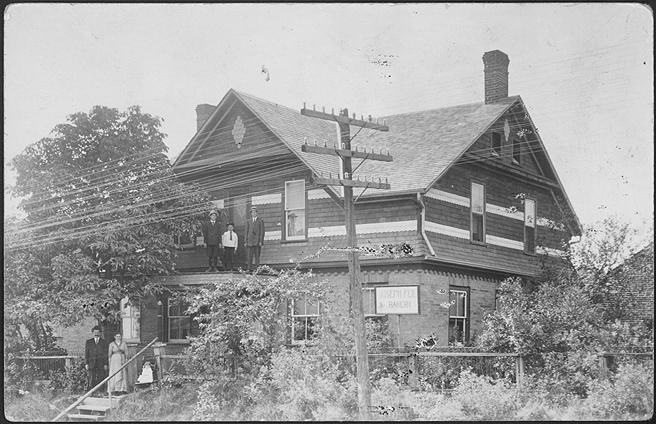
(397, 300)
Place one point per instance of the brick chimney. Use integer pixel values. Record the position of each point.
(496, 75)
(203, 112)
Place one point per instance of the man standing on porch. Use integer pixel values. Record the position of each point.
(212, 237)
(254, 239)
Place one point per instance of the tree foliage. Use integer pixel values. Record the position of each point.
(102, 208)
(563, 323)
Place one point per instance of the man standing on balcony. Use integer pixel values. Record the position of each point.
(212, 238)
(95, 358)
(254, 239)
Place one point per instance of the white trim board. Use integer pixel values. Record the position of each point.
(446, 230)
(457, 199)
(340, 230)
(266, 199)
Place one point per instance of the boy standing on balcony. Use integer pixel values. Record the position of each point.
(230, 243)
(212, 238)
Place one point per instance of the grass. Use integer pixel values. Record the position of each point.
(36, 406)
(165, 404)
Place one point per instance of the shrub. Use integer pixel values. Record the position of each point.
(170, 404)
(302, 384)
(482, 398)
(71, 380)
(19, 376)
(627, 395)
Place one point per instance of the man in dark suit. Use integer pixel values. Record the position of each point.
(254, 238)
(95, 358)
(212, 232)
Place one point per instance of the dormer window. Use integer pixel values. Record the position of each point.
(516, 150)
(496, 144)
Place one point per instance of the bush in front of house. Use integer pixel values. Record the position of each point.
(482, 398)
(71, 380)
(626, 395)
(302, 384)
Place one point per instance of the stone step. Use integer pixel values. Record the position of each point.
(102, 409)
(84, 417)
(102, 401)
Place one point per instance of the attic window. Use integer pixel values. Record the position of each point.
(516, 150)
(496, 144)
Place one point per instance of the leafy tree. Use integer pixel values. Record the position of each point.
(562, 323)
(102, 210)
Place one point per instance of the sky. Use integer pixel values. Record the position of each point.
(584, 71)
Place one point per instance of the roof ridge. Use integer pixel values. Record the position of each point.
(509, 98)
(242, 93)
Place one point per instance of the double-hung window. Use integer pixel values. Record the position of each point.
(295, 210)
(130, 321)
(458, 315)
(496, 144)
(529, 226)
(369, 301)
(179, 324)
(477, 206)
(305, 320)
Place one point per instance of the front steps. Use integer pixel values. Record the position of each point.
(94, 408)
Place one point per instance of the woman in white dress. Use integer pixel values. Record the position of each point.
(118, 350)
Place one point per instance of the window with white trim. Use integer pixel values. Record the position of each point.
(477, 206)
(529, 226)
(496, 144)
(295, 210)
(179, 324)
(305, 320)
(369, 301)
(130, 321)
(458, 315)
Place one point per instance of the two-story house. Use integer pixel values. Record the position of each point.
(473, 191)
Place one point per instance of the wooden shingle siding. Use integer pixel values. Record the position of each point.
(504, 259)
(445, 213)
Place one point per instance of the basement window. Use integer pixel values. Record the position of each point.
(496, 144)
(529, 226)
(458, 315)
(305, 320)
(477, 215)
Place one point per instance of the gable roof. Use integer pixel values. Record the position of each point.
(423, 144)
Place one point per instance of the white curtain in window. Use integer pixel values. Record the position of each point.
(478, 198)
(295, 195)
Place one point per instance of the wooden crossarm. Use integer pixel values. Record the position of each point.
(351, 183)
(344, 120)
(334, 151)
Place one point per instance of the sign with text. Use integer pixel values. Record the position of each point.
(397, 300)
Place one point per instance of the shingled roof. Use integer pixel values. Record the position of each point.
(423, 144)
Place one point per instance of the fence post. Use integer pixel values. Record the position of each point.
(413, 377)
(158, 361)
(519, 369)
(603, 365)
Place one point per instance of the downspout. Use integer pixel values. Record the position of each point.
(423, 224)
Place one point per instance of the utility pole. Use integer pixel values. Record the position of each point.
(346, 180)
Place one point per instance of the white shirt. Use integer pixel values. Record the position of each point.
(225, 239)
